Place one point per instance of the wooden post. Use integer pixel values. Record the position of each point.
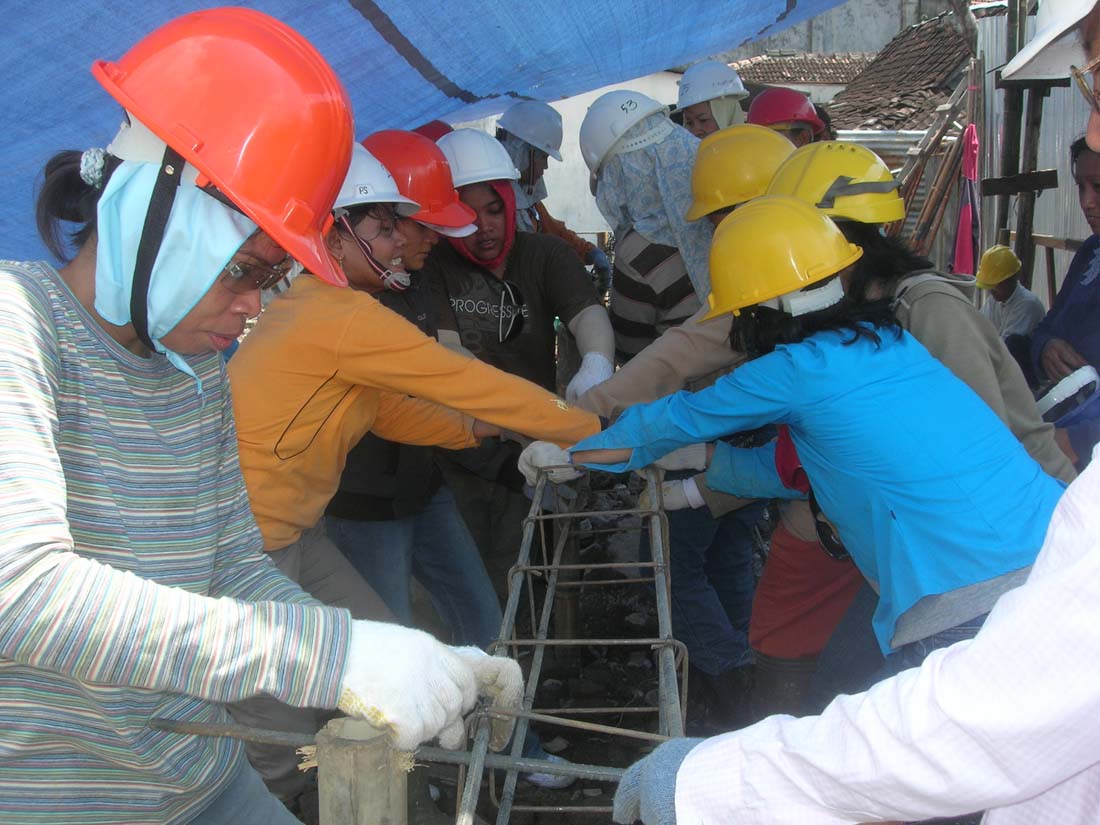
(1014, 103)
(360, 778)
(1025, 202)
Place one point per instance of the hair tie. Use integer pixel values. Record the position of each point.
(91, 167)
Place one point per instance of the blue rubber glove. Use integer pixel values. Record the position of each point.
(598, 261)
(647, 790)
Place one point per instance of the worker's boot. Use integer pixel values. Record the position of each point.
(780, 685)
(727, 696)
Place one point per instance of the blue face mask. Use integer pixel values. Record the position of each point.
(201, 236)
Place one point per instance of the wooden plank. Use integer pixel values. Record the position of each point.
(1051, 242)
(1025, 182)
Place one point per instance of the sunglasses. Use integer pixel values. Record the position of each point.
(826, 533)
(242, 277)
(510, 315)
(1085, 85)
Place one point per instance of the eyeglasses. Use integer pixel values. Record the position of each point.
(510, 314)
(242, 277)
(1085, 85)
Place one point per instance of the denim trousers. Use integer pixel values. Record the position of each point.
(435, 546)
(711, 565)
(246, 801)
(852, 661)
(912, 654)
(321, 570)
(851, 656)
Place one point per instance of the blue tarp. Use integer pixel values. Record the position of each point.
(403, 61)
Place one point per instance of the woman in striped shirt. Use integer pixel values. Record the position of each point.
(132, 579)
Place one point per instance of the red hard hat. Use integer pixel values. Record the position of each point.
(255, 108)
(778, 105)
(423, 175)
(434, 129)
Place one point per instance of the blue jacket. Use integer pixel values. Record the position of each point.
(929, 491)
(1075, 314)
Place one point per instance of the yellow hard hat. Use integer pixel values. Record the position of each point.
(771, 248)
(843, 180)
(734, 165)
(999, 263)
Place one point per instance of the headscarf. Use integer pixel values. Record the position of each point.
(519, 151)
(201, 237)
(727, 111)
(503, 188)
(649, 190)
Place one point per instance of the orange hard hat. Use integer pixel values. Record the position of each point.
(423, 175)
(253, 106)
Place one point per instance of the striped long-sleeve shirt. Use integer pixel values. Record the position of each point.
(650, 293)
(132, 582)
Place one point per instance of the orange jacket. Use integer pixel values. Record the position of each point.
(326, 365)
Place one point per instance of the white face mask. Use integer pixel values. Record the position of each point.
(201, 236)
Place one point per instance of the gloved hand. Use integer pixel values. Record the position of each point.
(404, 681)
(647, 790)
(555, 498)
(595, 369)
(677, 495)
(691, 457)
(539, 455)
(501, 680)
(597, 259)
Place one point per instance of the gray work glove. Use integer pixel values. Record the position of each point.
(647, 790)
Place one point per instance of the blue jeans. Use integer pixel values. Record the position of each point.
(435, 546)
(246, 801)
(710, 561)
(912, 654)
(850, 657)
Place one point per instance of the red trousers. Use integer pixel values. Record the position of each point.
(800, 598)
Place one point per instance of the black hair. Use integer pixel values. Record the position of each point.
(378, 211)
(829, 133)
(885, 260)
(64, 197)
(1076, 149)
(760, 329)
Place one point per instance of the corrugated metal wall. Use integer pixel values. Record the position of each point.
(1065, 112)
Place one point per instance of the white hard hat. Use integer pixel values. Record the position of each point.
(708, 80)
(536, 123)
(1056, 45)
(475, 156)
(1073, 398)
(368, 181)
(609, 116)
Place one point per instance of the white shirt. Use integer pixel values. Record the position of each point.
(1007, 722)
(1016, 316)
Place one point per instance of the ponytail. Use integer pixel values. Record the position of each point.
(66, 195)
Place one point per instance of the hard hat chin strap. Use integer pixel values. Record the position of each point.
(152, 236)
(396, 281)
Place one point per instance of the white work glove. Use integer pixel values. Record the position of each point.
(595, 369)
(691, 457)
(677, 495)
(539, 455)
(405, 682)
(501, 681)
